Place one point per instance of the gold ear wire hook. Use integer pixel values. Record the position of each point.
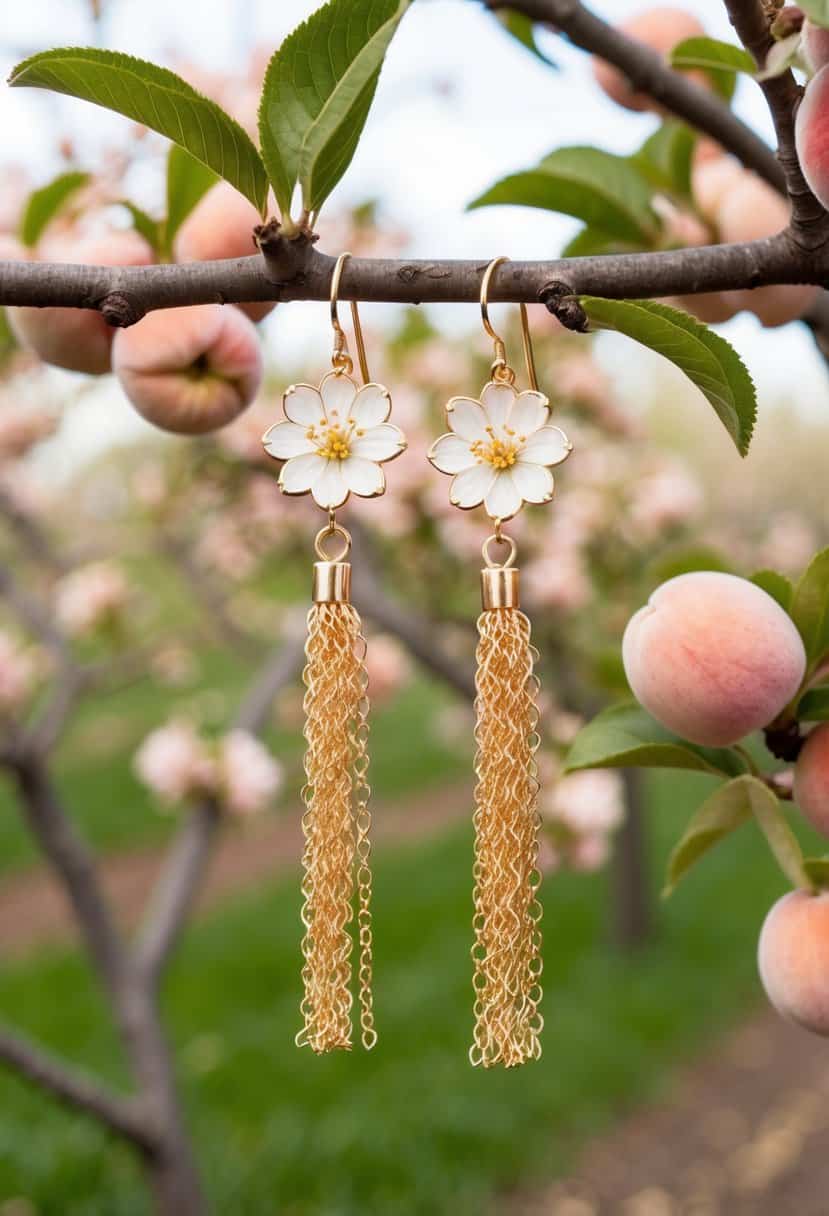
(500, 368)
(340, 357)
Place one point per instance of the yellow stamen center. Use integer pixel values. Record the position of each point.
(501, 454)
(333, 444)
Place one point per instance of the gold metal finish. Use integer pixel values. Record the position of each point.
(332, 583)
(336, 825)
(507, 948)
(501, 369)
(498, 538)
(340, 357)
(499, 587)
(332, 528)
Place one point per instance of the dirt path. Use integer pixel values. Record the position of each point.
(745, 1132)
(33, 910)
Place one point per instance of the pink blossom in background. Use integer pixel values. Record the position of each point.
(666, 499)
(388, 666)
(587, 802)
(175, 763)
(224, 548)
(559, 580)
(789, 544)
(21, 428)
(18, 673)
(589, 852)
(249, 775)
(93, 596)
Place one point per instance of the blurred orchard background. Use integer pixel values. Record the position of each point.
(147, 578)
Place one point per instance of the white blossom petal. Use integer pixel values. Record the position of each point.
(548, 445)
(530, 411)
(467, 419)
(497, 400)
(287, 439)
(363, 477)
(371, 406)
(470, 487)
(534, 482)
(379, 443)
(302, 404)
(300, 473)
(338, 392)
(451, 454)
(503, 498)
(329, 489)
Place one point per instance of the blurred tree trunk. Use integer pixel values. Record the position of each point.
(632, 918)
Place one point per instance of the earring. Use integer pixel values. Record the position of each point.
(334, 440)
(499, 451)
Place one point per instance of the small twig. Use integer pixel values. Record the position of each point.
(121, 1115)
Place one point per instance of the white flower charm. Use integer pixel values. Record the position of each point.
(500, 450)
(334, 440)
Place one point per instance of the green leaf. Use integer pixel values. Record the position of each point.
(776, 585)
(625, 736)
(719, 60)
(44, 204)
(810, 605)
(606, 191)
(318, 89)
(816, 10)
(145, 225)
(160, 100)
(813, 706)
(523, 29)
(817, 871)
(727, 809)
(589, 241)
(705, 358)
(188, 180)
(666, 156)
(782, 841)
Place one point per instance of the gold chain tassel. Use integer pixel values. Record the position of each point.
(507, 948)
(336, 820)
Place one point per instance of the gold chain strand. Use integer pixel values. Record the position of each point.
(332, 699)
(362, 817)
(507, 948)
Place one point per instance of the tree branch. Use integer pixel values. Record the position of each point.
(783, 94)
(67, 853)
(120, 1114)
(187, 861)
(648, 71)
(775, 259)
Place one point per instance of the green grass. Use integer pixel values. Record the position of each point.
(411, 1128)
(94, 764)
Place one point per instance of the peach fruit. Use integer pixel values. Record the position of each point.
(220, 226)
(78, 339)
(660, 29)
(793, 959)
(811, 779)
(748, 211)
(713, 657)
(812, 135)
(189, 370)
(815, 45)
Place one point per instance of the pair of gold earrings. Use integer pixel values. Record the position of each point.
(334, 440)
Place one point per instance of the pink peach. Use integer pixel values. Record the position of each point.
(189, 370)
(815, 45)
(660, 29)
(713, 657)
(78, 339)
(811, 133)
(811, 779)
(220, 226)
(793, 959)
(748, 211)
